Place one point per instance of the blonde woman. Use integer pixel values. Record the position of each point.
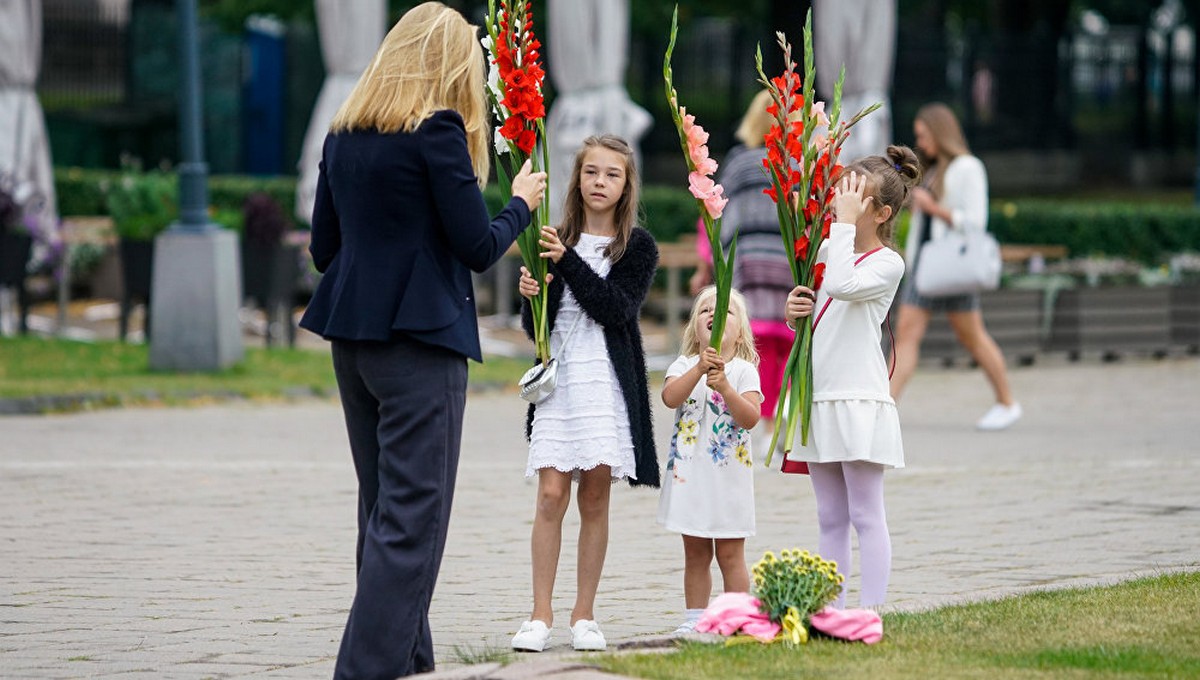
(953, 195)
(398, 225)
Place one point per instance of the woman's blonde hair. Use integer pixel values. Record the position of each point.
(625, 215)
(737, 304)
(948, 135)
(429, 61)
(756, 122)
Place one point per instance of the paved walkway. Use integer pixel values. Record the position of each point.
(219, 542)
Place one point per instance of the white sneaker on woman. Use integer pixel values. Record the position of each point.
(531, 637)
(586, 636)
(999, 417)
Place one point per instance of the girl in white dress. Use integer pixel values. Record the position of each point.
(855, 430)
(595, 427)
(708, 496)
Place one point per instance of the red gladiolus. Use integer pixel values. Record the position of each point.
(818, 276)
(800, 249)
(526, 141)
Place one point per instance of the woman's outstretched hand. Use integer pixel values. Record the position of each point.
(529, 185)
(528, 286)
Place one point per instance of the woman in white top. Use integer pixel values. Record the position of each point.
(855, 430)
(953, 195)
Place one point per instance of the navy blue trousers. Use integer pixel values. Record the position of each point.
(403, 403)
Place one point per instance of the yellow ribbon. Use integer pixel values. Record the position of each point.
(794, 631)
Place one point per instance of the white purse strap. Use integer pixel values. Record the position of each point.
(562, 348)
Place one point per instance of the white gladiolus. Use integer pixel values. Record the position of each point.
(501, 143)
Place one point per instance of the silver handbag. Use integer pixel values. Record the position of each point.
(958, 264)
(539, 382)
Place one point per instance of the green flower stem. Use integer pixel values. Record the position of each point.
(722, 262)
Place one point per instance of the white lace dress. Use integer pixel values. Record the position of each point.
(583, 423)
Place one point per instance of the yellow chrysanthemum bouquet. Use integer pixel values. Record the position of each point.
(792, 587)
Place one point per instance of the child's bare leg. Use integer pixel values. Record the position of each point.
(595, 485)
(554, 495)
(697, 571)
(731, 558)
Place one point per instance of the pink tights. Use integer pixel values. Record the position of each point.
(851, 493)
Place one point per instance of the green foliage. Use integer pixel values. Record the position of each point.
(81, 191)
(669, 212)
(100, 192)
(141, 204)
(229, 192)
(1144, 232)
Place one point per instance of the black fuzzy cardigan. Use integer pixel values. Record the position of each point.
(615, 303)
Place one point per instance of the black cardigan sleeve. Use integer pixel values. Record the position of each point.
(617, 299)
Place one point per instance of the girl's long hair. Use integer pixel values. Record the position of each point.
(948, 135)
(625, 215)
(429, 61)
(737, 304)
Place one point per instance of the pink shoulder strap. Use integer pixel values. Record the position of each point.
(887, 320)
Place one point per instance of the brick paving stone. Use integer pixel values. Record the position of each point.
(219, 541)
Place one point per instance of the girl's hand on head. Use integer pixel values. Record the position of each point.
(528, 286)
(799, 303)
(851, 200)
(529, 185)
(551, 247)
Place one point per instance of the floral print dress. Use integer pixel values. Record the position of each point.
(709, 487)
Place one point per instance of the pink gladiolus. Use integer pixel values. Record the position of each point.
(819, 109)
(707, 166)
(698, 154)
(688, 120)
(715, 204)
(696, 136)
(821, 142)
(701, 185)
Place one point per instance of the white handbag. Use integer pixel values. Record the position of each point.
(958, 264)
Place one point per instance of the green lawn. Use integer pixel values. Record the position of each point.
(113, 374)
(1147, 628)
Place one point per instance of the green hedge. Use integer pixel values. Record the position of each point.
(1146, 232)
(668, 212)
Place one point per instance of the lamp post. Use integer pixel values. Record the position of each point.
(197, 283)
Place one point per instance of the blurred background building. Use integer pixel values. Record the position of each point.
(1055, 94)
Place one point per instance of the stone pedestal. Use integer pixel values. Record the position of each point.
(197, 292)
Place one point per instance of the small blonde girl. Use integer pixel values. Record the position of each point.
(708, 495)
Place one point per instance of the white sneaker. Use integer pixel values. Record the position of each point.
(532, 637)
(586, 636)
(686, 628)
(999, 417)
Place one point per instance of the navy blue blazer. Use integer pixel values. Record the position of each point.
(398, 225)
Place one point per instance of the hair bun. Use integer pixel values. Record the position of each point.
(905, 162)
